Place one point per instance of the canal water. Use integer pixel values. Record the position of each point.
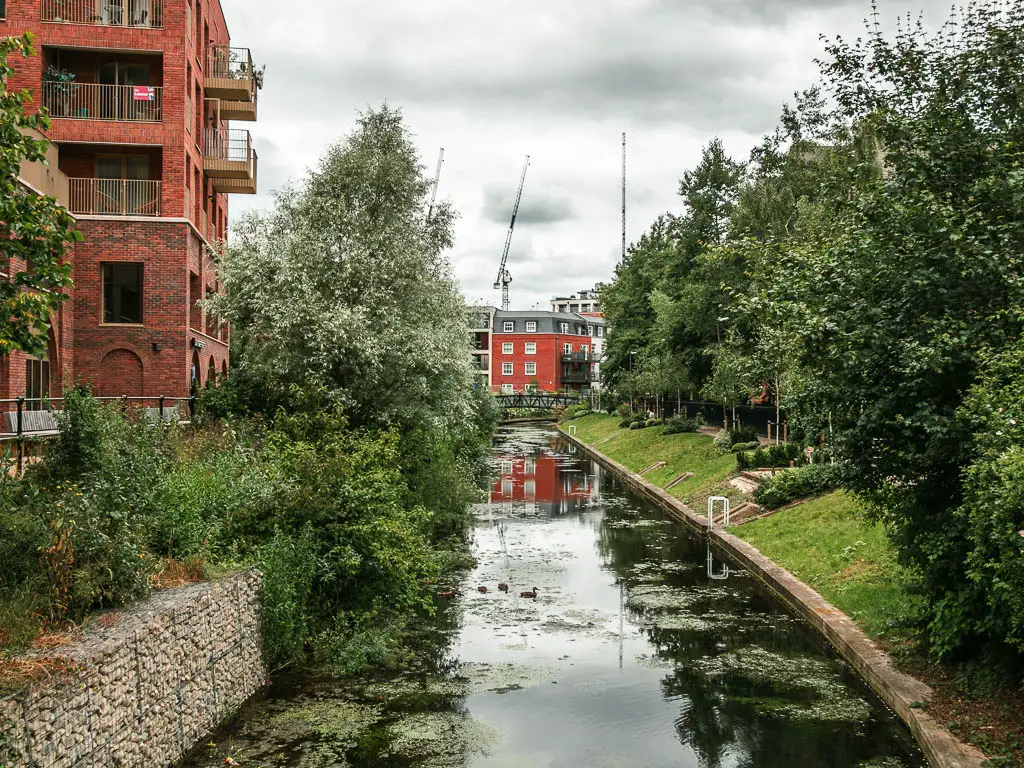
(642, 648)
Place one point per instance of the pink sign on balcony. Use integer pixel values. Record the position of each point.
(143, 93)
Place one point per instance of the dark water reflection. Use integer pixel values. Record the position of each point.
(643, 648)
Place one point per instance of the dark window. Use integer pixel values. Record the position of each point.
(122, 293)
(3, 8)
(37, 377)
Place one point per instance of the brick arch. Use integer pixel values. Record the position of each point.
(211, 371)
(224, 368)
(121, 373)
(195, 374)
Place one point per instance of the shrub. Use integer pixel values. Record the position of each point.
(743, 435)
(680, 424)
(738, 447)
(797, 483)
(626, 423)
(723, 442)
(574, 412)
(638, 425)
(654, 422)
(624, 411)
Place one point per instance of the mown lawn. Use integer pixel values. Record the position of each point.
(639, 449)
(827, 543)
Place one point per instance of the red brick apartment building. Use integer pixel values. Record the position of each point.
(140, 93)
(546, 351)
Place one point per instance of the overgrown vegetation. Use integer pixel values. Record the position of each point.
(340, 465)
(862, 271)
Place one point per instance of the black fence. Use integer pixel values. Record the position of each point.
(29, 420)
(760, 417)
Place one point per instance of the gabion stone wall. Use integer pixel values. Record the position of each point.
(145, 690)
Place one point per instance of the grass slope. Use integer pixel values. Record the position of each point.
(829, 545)
(640, 448)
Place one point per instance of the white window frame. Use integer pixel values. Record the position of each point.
(531, 326)
(585, 348)
(590, 330)
(567, 349)
(564, 327)
(527, 370)
(506, 370)
(509, 326)
(506, 389)
(531, 348)
(600, 331)
(507, 348)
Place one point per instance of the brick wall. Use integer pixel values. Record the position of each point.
(146, 689)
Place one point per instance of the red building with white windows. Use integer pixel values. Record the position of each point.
(544, 351)
(140, 94)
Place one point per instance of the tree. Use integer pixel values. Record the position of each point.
(35, 230)
(345, 284)
(915, 279)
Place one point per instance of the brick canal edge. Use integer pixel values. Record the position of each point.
(903, 694)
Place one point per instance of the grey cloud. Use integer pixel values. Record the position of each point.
(537, 206)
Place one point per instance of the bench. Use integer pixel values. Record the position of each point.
(32, 422)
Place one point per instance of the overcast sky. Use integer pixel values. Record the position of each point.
(559, 80)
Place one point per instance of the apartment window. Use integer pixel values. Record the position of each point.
(531, 369)
(530, 488)
(506, 487)
(506, 389)
(585, 307)
(600, 332)
(590, 330)
(531, 326)
(531, 348)
(530, 467)
(506, 468)
(122, 293)
(506, 348)
(3, 8)
(563, 307)
(37, 373)
(530, 388)
(509, 326)
(567, 349)
(584, 348)
(563, 327)
(506, 369)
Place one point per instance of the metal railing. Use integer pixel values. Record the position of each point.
(230, 63)
(26, 419)
(93, 101)
(115, 197)
(581, 357)
(232, 145)
(105, 13)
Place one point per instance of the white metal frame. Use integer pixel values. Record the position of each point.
(711, 511)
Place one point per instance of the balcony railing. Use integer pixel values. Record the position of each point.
(106, 13)
(580, 357)
(115, 197)
(91, 101)
(229, 73)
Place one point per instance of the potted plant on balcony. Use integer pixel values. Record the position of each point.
(63, 89)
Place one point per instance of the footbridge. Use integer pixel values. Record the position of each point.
(537, 401)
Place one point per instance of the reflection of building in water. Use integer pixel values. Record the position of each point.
(541, 485)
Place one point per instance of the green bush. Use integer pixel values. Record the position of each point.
(746, 446)
(743, 435)
(680, 424)
(723, 442)
(638, 425)
(799, 483)
(626, 423)
(654, 422)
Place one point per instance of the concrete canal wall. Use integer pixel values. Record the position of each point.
(145, 689)
(903, 694)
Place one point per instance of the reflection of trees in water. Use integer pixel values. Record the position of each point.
(726, 719)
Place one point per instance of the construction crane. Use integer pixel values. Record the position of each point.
(504, 278)
(437, 180)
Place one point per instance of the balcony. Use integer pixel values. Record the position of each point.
(229, 74)
(580, 357)
(228, 155)
(104, 13)
(91, 101)
(239, 110)
(572, 376)
(114, 197)
(238, 186)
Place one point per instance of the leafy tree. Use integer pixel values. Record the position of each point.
(34, 230)
(345, 284)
